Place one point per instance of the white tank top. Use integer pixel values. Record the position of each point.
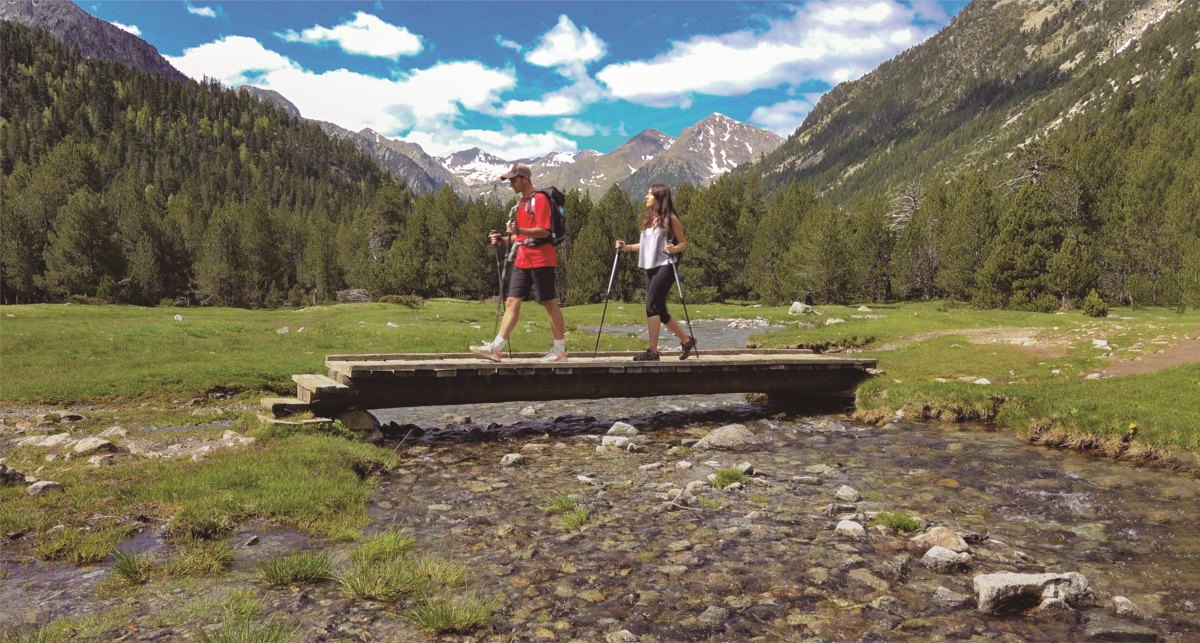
(652, 251)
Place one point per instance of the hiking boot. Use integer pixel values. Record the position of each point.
(687, 347)
(488, 352)
(554, 355)
(649, 356)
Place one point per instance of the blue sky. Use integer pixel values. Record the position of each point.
(520, 79)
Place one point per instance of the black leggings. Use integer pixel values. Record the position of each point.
(658, 286)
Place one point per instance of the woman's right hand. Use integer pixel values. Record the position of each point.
(620, 245)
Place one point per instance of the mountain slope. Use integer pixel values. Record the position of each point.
(703, 151)
(1002, 73)
(93, 37)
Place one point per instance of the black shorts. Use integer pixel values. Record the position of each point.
(540, 279)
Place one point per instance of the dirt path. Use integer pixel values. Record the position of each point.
(1047, 346)
(1185, 352)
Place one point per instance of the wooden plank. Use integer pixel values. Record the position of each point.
(318, 383)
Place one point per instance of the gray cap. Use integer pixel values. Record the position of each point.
(518, 169)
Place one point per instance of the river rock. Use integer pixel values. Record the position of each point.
(847, 494)
(1126, 608)
(48, 441)
(620, 636)
(1009, 592)
(89, 446)
(683, 464)
(622, 429)
(942, 560)
(850, 529)
(714, 614)
(102, 460)
(800, 308)
(940, 537)
(806, 480)
(112, 432)
(512, 460)
(10, 477)
(615, 441)
(732, 437)
(834, 320)
(44, 487)
(943, 597)
(1102, 626)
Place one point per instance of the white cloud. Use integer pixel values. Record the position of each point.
(566, 48)
(575, 127)
(365, 35)
(233, 60)
(423, 106)
(784, 118)
(133, 29)
(507, 143)
(507, 44)
(550, 105)
(207, 12)
(828, 41)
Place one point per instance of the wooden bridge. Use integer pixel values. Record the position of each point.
(401, 380)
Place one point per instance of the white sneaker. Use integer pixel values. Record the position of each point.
(488, 352)
(554, 355)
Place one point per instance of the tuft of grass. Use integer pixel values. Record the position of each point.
(728, 476)
(758, 498)
(896, 520)
(302, 567)
(200, 558)
(575, 519)
(710, 503)
(385, 580)
(134, 568)
(386, 545)
(82, 546)
(459, 614)
(439, 572)
(559, 504)
(104, 626)
(240, 623)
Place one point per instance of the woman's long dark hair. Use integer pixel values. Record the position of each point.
(663, 207)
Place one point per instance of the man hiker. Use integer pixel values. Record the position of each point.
(533, 267)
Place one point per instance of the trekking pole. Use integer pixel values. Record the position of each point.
(679, 285)
(499, 291)
(604, 312)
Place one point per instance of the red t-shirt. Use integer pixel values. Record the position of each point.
(540, 256)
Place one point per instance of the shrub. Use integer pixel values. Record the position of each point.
(411, 301)
(1093, 305)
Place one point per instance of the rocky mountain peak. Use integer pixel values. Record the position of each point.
(93, 37)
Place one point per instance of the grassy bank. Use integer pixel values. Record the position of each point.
(1036, 365)
(61, 354)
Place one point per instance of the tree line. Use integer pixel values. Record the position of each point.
(124, 187)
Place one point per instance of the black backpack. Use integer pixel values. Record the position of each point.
(558, 216)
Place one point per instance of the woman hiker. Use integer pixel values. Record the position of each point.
(662, 236)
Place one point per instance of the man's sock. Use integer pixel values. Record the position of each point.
(499, 343)
(560, 345)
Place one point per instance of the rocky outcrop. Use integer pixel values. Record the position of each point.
(1009, 592)
(731, 437)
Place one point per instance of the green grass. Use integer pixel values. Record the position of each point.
(80, 546)
(709, 503)
(386, 545)
(728, 476)
(385, 580)
(575, 519)
(104, 626)
(460, 614)
(559, 504)
(203, 499)
(1025, 395)
(302, 567)
(758, 498)
(897, 521)
(200, 558)
(241, 622)
(132, 567)
(130, 352)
